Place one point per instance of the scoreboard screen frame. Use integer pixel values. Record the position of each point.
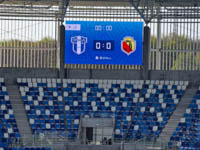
(103, 42)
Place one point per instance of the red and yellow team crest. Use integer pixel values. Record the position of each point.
(128, 45)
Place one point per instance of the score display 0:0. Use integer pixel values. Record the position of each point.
(103, 45)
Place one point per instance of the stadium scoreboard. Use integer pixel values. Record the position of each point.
(90, 42)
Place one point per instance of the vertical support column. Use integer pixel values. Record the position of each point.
(158, 45)
(62, 51)
(146, 50)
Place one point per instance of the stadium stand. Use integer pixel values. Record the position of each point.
(140, 108)
(8, 126)
(186, 135)
(43, 104)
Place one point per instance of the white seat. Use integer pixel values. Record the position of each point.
(157, 82)
(88, 90)
(176, 82)
(141, 100)
(152, 109)
(155, 128)
(141, 82)
(19, 80)
(136, 127)
(44, 80)
(53, 80)
(171, 82)
(6, 135)
(35, 102)
(147, 95)
(161, 100)
(21, 89)
(56, 117)
(40, 89)
(38, 112)
(150, 86)
(182, 120)
(48, 126)
(124, 104)
(58, 81)
(84, 94)
(160, 119)
(6, 97)
(50, 103)
(94, 108)
(122, 86)
(75, 103)
(39, 80)
(23, 80)
(76, 121)
(119, 81)
(106, 90)
(34, 80)
(84, 99)
(188, 111)
(67, 107)
(27, 107)
(163, 105)
(10, 112)
(162, 82)
(147, 82)
(48, 80)
(135, 100)
(31, 121)
(106, 104)
(47, 112)
(60, 98)
(152, 82)
(65, 94)
(116, 99)
(29, 80)
(115, 90)
(142, 109)
(34, 84)
(183, 87)
(93, 103)
(6, 116)
(103, 99)
(167, 82)
(117, 131)
(122, 95)
(74, 89)
(55, 94)
(128, 118)
(159, 114)
(113, 109)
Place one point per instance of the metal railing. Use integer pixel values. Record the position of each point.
(174, 60)
(28, 57)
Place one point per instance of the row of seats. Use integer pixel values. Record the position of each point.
(187, 134)
(54, 80)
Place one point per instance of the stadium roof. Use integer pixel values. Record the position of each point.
(165, 3)
(145, 9)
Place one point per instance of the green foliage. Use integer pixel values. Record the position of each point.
(46, 42)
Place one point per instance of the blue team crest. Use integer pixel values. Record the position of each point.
(78, 44)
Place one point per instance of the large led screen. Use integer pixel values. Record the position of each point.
(89, 42)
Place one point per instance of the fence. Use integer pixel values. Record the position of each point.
(29, 37)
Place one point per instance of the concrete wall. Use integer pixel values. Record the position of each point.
(13, 73)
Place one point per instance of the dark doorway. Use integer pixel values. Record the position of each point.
(89, 134)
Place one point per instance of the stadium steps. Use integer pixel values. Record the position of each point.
(177, 114)
(19, 111)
